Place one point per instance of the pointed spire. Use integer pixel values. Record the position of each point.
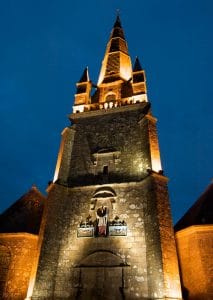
(84, 86)
(117, 30)
(117, 21)
(85, 75)
(138, 77)
(137, 66)
(116, 62)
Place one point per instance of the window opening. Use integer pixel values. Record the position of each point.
(105, 170)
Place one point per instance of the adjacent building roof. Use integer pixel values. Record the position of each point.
(200, 213)
(25, 214)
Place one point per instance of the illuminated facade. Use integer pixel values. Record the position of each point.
(106, 231)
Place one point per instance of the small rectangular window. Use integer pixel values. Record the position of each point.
(105, 170)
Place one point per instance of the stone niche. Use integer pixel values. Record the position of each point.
(105, 160)
(101, 219)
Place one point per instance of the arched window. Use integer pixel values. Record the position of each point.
(110, 97)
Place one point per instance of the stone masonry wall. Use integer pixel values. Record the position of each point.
(64, 155)
(111, 151)
(63, 252)
(22, 248)
(194, 245)
(167, 241)
(119, 132)
(71, 266)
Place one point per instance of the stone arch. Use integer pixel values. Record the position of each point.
(101, 258)
(104, 192)
(5, 259)
(101, 276)
(104, 196)
(110, 96)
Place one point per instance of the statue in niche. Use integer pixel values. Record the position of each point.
(102, 215)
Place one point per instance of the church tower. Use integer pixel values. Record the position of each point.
(106, 231)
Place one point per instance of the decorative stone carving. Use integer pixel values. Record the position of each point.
(102, 215)
(85, 231)
(117, 230)
(117, 227)
(86, 228)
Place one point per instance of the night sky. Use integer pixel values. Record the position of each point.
(46, 44)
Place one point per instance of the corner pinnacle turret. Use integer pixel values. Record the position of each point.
(82, 96)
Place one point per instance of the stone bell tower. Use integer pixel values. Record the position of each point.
(107, 231)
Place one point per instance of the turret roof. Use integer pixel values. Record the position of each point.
(137, 66)
(84, 76)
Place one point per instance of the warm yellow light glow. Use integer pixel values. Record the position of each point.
(125, 66)
(140, 98)
(58, 164)
(31, 286)
(194, 247)
(156, 163)
(24, 247)
(78, 108)
(172, 282)
(110, 104)
(154, 147)
(33, 274)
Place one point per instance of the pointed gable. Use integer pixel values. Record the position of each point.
(25, 214)
(200, 213)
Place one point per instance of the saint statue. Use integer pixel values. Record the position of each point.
(102, 220)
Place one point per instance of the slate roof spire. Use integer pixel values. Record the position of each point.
(84, 86)
(117, 21)
(84, 76)
(137, 65)
(116, 63)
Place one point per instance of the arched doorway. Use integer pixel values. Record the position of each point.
(101, 277)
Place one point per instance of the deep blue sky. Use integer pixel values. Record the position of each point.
(46, 44)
